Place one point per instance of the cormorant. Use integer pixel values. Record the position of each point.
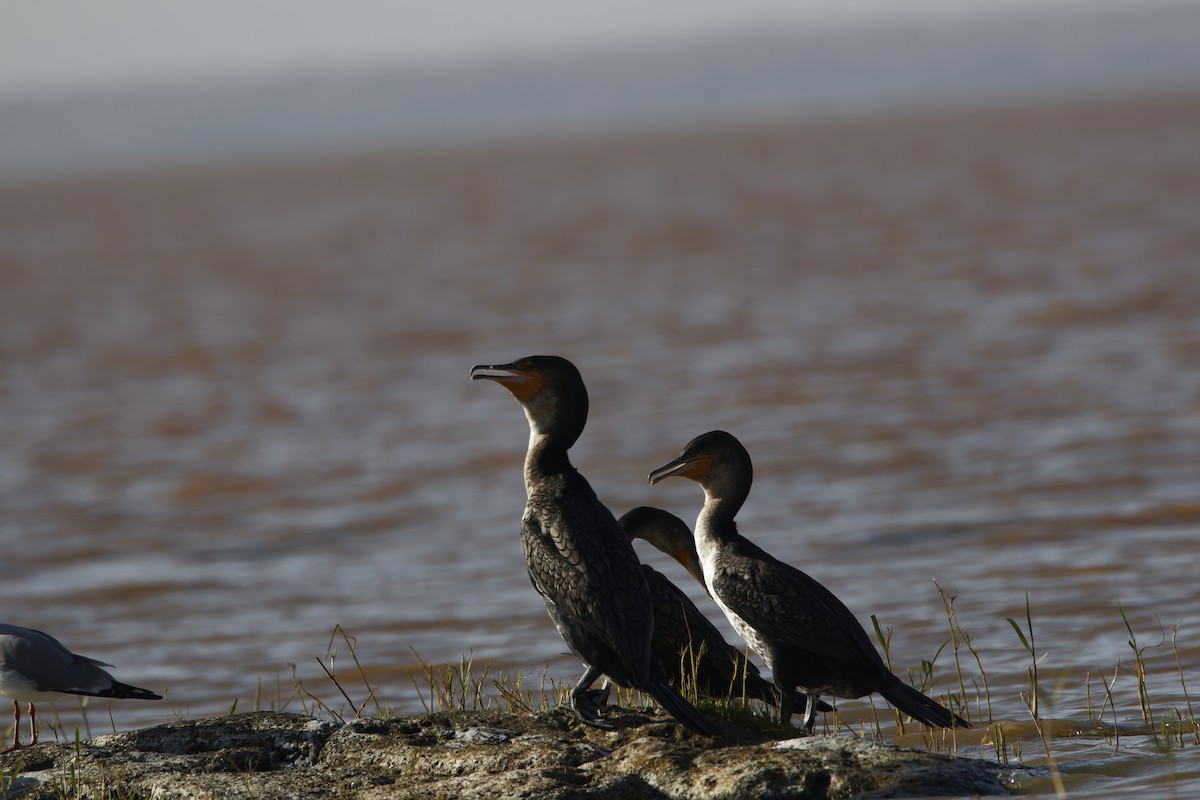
(805, 634)
(35, 666)
(579, 560)
(686, 643)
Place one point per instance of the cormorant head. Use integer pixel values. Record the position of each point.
(717, 461)
(666, 532)
(550, 390)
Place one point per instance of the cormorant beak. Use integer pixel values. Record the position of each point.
(691, 562)
(521, 382)
(694, 467)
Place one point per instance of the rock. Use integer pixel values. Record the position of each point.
(548, 756)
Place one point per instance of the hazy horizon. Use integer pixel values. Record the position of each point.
(740, 74)
(77, 47)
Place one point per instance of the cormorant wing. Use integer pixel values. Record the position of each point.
(672, 606)
(788, 605)
(581, 561)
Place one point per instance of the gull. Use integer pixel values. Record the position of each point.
(35, 666)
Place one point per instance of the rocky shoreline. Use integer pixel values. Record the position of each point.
(488, 754)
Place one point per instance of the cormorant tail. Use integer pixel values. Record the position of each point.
(920, 707)
(680, 708)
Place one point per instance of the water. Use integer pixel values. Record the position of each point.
(961, 347)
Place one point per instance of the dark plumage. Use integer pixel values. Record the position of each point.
(579, 560)
(805, 634)
(685, 642)
(35, 666)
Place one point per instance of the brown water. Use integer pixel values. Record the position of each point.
(236, 410)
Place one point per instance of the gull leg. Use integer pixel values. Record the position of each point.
(16, 728)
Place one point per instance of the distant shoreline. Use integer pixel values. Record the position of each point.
(745, 78)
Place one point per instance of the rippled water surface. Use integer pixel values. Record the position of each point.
(235, 413)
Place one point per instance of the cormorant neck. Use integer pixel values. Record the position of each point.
(554, 426)
(725, 490)
(715, 529)
(717, 515)
(546, 456)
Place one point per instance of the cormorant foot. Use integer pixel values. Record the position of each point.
(587, 705)
(588, 712)
(597, 698)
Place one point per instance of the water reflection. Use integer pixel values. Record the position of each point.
(237, 414)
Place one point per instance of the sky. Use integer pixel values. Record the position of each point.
(53, 45)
